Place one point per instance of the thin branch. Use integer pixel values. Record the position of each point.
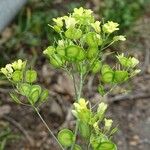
(48, 128)
(20, 127)
(129, 97)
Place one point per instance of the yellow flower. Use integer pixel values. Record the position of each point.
(70, 22)
(58, 21)
(78, 11)
(110, 27)
(127, 61)
(82, 104)
(18, 65)
(108, 124)
(102, 108)
(4, 71)
(96, 26)
(9, 68)
(119, 38)
(7, 71)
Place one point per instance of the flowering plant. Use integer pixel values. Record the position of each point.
(79, 51)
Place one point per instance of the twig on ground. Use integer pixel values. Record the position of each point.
(19, 126)
(129, 97)
(146, 61)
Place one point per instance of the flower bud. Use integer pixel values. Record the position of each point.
(110, 27)
(19, 65)
(108, 124)
(96, 26)
(102, 107)
(119, 38)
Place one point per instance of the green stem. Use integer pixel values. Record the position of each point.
(88, 148)
(78, 95)
(48, 128)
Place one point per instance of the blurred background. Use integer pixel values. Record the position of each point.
(24, 33)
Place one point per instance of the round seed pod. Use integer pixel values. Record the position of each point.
(93, 39)
(120, 76)
(66, 137)
(34, 94)
(73, 33)
(30, 76)
(105, 68)
(44, 95)
(107, 146)
(74, 53)
(24, 89)
(97, 67)
(92, 52)
(84, 130)
(17, 76)
(108, 77)
(60, 50)
(49, 51)
(56, 61)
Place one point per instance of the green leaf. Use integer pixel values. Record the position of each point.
(120, 76)
(24, 89)
(34, 94)
(73, 33)
(14, 98)
(17, 76)
(66, 137)
(107, 146)
(30, 76)
(96, 140)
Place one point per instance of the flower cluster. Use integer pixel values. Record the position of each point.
(82, 38)
(23, 80)
(10, 69)
(94, 127)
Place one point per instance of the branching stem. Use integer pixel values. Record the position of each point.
(51, 133)
(78, 95)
